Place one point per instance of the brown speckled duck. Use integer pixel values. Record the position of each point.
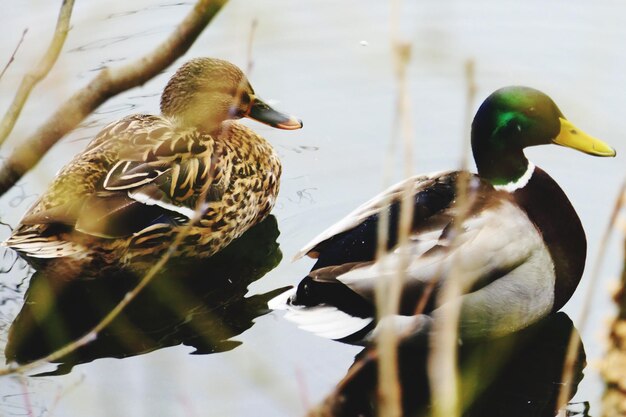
(144, 178)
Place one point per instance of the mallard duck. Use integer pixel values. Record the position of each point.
(144, 178)
(518, 250)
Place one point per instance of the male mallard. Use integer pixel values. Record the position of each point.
(144, 178)
(518, 251)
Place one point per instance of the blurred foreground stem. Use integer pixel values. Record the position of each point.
(388, 291)
(614, 363)
(442, 360)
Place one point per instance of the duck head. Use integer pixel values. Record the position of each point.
(205, 92)
(513, 118)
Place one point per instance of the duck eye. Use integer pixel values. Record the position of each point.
(240, 105)
(245, 99)
(236, 112)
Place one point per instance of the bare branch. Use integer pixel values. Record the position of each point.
(613, 364)
(615, 348)
(31, 79)
(12, 58)
(573, 347)
(253, 27)
(442, 360)
(387, 294)
(105, 85)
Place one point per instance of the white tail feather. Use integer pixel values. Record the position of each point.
(325, 321)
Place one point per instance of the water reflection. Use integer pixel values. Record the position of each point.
(203, 306)
(518, 375)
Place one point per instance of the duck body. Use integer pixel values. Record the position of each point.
(516, 247)
(145, 178)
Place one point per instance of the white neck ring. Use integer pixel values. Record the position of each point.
(518, 183)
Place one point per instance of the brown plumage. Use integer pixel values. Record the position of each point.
(144, 178)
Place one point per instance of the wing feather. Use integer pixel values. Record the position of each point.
(169, 171)
(373, 207)
(482, 252)
(156, 176)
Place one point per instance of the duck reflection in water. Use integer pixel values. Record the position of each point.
(519, 375)
(201, 305)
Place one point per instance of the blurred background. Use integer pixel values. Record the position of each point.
(330, 63)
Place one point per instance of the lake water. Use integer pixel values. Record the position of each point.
(330, 63)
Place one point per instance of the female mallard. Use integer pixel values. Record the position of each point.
(519, 252)
(145, 178)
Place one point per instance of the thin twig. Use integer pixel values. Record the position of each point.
(388, 292)
(574, 343)
(241, 88)
(26, 396)
(442, 359)
(31, 79)
(470, 80)
(105, 85)
(613, 360)
(12, 58)
(250, 63)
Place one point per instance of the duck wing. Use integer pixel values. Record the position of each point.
(137, 172)
(432, 194)
(164, 177)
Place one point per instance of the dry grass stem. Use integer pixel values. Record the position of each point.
(31, 79)
(106, 84)
(613, 364)
(388, 293)
(12, 57)
(249, 66)
(470, 80)
(573, 345)
(442, 361)
(250, 63)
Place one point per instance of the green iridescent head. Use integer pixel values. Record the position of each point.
(513, 118)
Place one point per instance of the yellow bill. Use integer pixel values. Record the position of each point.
(573, 137)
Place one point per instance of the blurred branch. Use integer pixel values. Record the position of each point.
(387, 293)
(250, 63)
(12, 57)
(31, 79)
(613, 366)
(105, 85)
(572, 352)
(442, 360)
